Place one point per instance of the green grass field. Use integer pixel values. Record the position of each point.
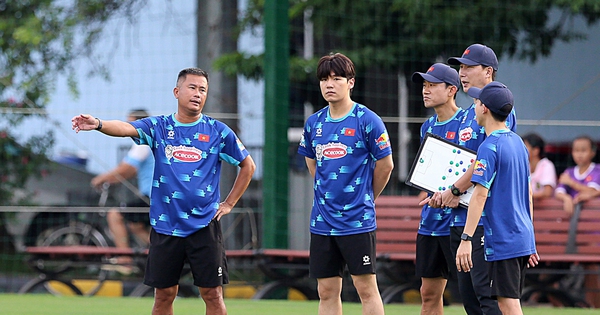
(37, 304)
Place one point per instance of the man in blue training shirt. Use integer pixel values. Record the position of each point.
(502, 196)
(186, 206)
(434, 257)
(347, 150)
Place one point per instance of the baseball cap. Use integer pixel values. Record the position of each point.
(476, 54)
(494, 96)
(438, 73)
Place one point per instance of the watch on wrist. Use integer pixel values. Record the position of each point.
(466, 237)
(455, 191)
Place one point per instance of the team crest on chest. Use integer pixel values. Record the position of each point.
(466, 134)
(183, 153)
(331, 150)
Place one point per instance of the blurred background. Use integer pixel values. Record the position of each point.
(105, 58)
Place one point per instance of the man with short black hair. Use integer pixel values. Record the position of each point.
(503, 192)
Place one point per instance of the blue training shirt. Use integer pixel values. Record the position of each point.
(185, 186)
(502, 166)
(471, 135)
(436, 221)
(140, 157)
(345, 151)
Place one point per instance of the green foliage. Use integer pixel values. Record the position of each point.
(40, 40)
(396, 33)
(19, 162)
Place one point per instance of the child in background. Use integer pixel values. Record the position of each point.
(581, 182)
(543, 172)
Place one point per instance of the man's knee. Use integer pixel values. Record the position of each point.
(329, 288)
(212, 295)
(165, 295)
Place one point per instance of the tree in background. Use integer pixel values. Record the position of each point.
(398, 34)
(40, 40)
(390, 39)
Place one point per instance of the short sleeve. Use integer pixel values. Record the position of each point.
(485, 166)
(377, 137)
(304, 147)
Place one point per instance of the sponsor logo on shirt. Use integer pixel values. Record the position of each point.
(319, 132)
(183, 153)
(302, 141)
(466, 134)
(171, 134)
(383, 141)
(480, 167)
(240, 144)
(332, 150)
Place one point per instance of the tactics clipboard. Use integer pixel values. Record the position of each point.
(439, 164)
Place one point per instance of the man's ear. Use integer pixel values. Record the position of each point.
(351, 83)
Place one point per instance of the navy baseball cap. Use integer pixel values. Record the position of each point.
(476, 54)
(494, 96)
(438, 73)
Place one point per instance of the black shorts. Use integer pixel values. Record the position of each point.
(507, 277)
(330, 254)
(203, 250)
(137, 216)
(434, 257)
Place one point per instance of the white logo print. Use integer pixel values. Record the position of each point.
(170, 134)
(366, 260)
(220, 272)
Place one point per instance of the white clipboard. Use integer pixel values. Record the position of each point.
(439, 164)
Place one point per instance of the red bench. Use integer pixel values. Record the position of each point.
(398, 220)
(567, 245)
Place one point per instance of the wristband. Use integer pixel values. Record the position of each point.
(455, 191)
(99, 123)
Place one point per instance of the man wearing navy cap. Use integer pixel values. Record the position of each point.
(478, 67)
(502, 190)
(434, 264)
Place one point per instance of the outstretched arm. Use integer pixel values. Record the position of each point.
(115, 128)
(240, 185)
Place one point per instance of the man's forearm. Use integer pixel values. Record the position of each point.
(464, 182)
(242, 181)
(381, 174)
(118, 128)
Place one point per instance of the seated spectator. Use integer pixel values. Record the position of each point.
(543, 172)
(581, 182)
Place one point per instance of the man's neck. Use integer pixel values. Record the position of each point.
(446, 111)
(186, 119)
(494, 125)
(340, 109)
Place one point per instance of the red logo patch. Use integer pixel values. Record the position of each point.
(187, 155)
(467, 51)
(450, 135)
(349, 132)
(334, 152)
(203, 138)
(466, 134)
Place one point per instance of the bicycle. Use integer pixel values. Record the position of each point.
(88, 228)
